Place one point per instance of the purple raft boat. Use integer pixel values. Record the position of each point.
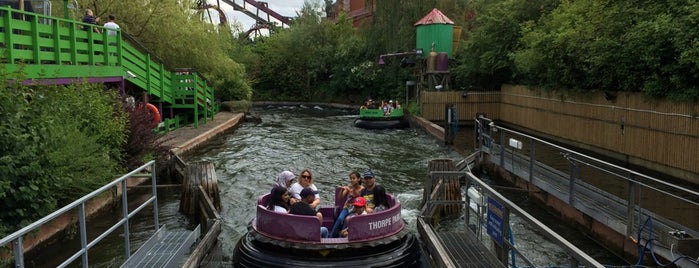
(276, 239)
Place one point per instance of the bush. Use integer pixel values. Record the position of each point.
(56, 147)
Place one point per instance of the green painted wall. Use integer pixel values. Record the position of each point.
(442, 35)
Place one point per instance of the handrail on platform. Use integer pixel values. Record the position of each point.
(16, 238)
(576, 254)
(618, 206)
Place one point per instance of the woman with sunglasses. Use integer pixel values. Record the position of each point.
(305, 181)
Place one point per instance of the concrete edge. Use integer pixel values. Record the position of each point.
(432, 128)
(190, 144)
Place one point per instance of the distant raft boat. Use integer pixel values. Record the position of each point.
(378, 239)
(375, 119)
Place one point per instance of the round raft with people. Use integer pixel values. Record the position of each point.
(388, 115)
(279, 239)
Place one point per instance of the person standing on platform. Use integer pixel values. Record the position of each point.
(89, 18)
(113, 26)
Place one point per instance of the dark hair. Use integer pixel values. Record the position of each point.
(380, 196)
(275, 198)
(356, 174)
(111, 17)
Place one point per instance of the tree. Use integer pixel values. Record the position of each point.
(174, 34)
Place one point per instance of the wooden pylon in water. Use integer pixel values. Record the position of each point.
(199, 174)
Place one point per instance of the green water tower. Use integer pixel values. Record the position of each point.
(435, 28)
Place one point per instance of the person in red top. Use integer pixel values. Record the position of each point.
(359, 209)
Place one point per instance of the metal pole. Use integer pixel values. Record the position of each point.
(505, 235)
(571, 183)
(155, 199)
(502, 148)
(532, 158)
(125, 215)
(630, 207)
(18, 252)
(83, 234)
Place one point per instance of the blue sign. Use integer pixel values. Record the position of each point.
(494, 226)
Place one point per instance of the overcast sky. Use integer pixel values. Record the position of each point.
(286, 8)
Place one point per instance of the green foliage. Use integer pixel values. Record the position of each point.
(414, 108)
(646, 46)
(55, 147)
(315, 60)
(485, 56)
(23, 178)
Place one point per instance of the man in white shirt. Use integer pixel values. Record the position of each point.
(111, 25)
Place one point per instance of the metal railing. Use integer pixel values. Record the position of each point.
(637, 206)
(576, 255)
(16, 238)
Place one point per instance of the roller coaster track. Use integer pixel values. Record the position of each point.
(255, 10)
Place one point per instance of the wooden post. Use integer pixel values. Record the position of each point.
(199, 173)
(451, 187)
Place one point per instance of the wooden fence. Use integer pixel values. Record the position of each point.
(659, 135)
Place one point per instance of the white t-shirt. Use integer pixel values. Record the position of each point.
(280, 209)
(296, 189)
(111, 25)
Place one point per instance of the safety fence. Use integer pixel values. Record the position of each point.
(629, 209)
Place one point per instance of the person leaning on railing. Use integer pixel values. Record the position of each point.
(90, 18)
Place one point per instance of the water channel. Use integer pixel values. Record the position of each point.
(324, 140)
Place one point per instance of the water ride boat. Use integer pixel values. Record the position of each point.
(277, 239)
(376, 119)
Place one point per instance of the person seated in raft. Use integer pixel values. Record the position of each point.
(285, 179)
(380, 200)
(279, 199)
(349, 192)
(387, 107)
(304, 208)
(368, 192)
(370, 104)
(305, 181)
(359, 208)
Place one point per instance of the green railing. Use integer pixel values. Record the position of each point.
(45, 47)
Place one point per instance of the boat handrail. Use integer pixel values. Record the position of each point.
(287, 226)
(378, 224)
(305, 228)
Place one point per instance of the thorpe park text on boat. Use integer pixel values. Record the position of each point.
(380, 118)
(276, 239)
